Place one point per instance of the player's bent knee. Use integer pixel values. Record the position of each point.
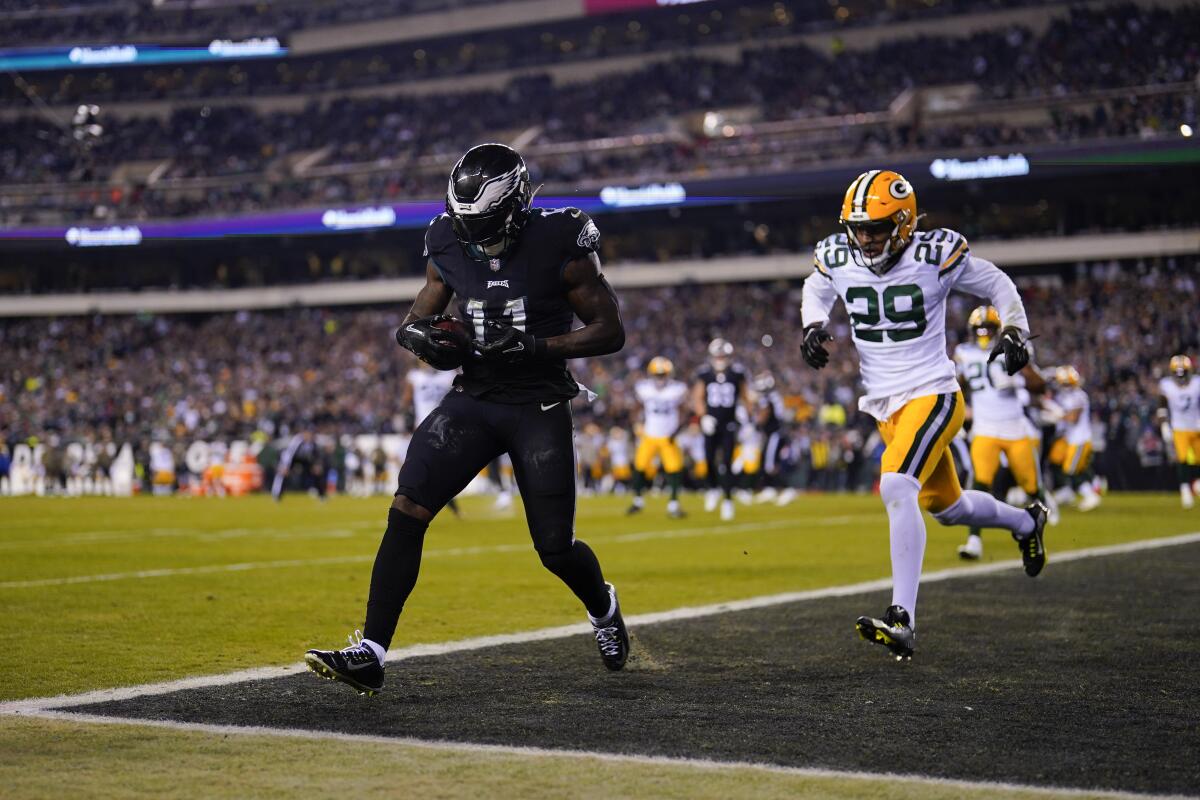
(956, 513)
(896, 487)
(406, 505)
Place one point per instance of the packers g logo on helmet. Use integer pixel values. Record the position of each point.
(879, 201)
(661, 367)
(1067, 376)
(984, 322)
(1181, 367)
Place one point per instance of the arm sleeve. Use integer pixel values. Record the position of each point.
(984, 279)
(817, 299)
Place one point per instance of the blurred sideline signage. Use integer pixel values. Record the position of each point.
(609, 6)
(654, 194)
(31, 59)
(951, 169)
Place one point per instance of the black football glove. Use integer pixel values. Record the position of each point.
(813, 349)
(1012, 346)
(434, 346)
(507, 345)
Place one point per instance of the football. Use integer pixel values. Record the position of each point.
(460, 332)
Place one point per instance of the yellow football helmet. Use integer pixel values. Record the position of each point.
(985, 323)
(661, 367)
(1067, 376)
(879, 201)
(1181, 367)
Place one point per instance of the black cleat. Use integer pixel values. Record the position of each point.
(676, 513)
(633, 509)
(612, 637)
(355, 666)
(1033, 549)
(893, 632)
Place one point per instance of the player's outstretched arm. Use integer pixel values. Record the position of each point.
(595, 303)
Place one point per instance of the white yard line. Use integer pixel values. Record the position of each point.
(54, 708)
(618, 758)
(450, 552)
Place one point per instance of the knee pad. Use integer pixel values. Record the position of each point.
(956, 513)
(895, 487)
(552, 559)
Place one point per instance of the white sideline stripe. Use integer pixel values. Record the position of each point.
(35, 706)
(587, 755)
(451, 552)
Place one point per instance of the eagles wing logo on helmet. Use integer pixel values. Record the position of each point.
(589, 237)
(490, 193)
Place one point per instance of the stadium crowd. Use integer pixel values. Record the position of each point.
(384, 137)
(268, 375)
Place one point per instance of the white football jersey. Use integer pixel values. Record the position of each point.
(660, 405)
(997, 410)
(899, 318)
(1080, 431)
(429, 387)
(1183, 402)
(618, 451)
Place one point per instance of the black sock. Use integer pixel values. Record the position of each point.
(639, 483)
(578, 568)
(394, 575)
(674, 480)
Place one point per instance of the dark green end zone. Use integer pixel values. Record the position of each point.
(1084, 677)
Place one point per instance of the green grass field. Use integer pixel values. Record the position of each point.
(110, 592)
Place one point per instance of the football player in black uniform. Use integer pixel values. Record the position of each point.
(720, 387)
(519, 276)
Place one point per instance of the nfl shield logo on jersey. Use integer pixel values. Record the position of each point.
(494, 264)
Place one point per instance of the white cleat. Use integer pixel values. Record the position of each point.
(1089, 501)
(972, 550)
(711, 498)
(726, 510)
(1186, 496)
(785, 497)
(767, 495)
(744, 497)
(503, 501)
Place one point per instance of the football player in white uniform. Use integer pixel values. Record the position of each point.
(1071, 454)
(662, 397)
(998, 422)
(424, 388)
(894, 282)
(1180, 407)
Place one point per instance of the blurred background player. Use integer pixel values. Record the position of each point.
(1074, 446)
(721, 386)
(307, 462)
(999, 426)
(894, 282)
(662, 398)
(424, 388)
(770, 413)
(1179, 395)
(620, 460)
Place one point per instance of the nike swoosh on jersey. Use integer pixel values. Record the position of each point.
(548, 407)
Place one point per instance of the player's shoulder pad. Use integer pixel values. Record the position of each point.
(576, 231)
(943, 248)
(705, 372)
(831, 253)
(439, 237)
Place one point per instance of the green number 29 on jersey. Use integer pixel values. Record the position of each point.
(866, 318)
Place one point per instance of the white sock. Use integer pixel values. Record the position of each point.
(375, 648)
(906, 527)
(612, 609)
(981, 510)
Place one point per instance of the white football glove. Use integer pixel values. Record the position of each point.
(708, 424)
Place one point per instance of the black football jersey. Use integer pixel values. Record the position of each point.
(524, 288)
(722, 391)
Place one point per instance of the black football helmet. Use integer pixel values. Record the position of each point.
(488, 200)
